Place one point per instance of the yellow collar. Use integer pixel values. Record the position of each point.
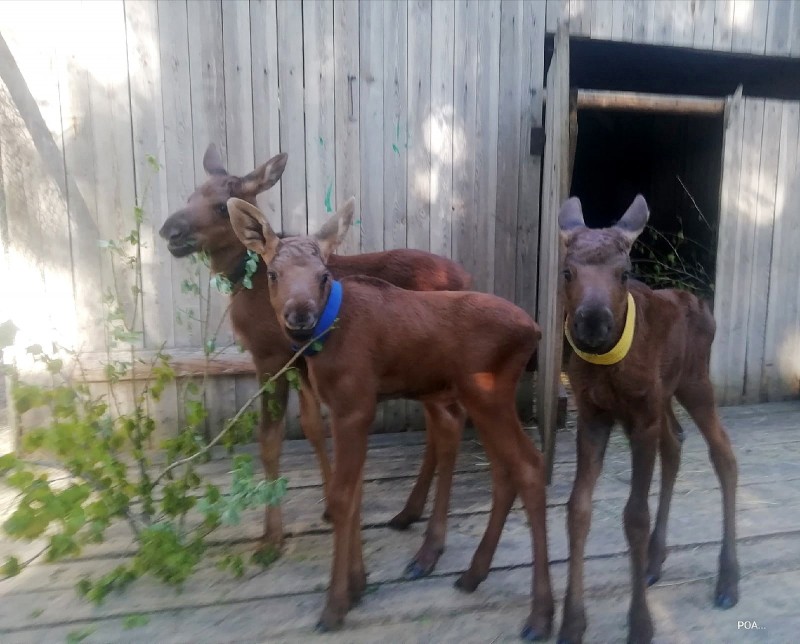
(620, 349)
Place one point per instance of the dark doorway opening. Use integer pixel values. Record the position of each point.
(675, 161)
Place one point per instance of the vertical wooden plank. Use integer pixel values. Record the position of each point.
(764, 215)
(683, 23)
(703, 37)
(643, 19)
(371, 124)
(742, 25)
(178, 152)
(419, 132)
(580, 19)
(726, 239)
(209, 119)
(743, 248)
(292, 128)
(237, 81)
(464, 116)
(530, 165)
(556, 10)
(508, 148)
(794, 32)
(758, 34)
(550, 313)
(209, 124)
(266, 98)
(441, 125)
(239, 137)
(622, 20)
(395, 123)
(321, 196)
(371, 133)
(486, 130)
(144, 71)
(779, 21)
(395, 152)
(601, 16)
(662, 22)
(782, 339)
(418, 194)
(723, 25)
(347, 113)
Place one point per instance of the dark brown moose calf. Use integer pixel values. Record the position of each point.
(443, 348)
(634, 350)
(204, 225)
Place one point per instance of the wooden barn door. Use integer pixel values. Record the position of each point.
(555, 187)
(756, 353)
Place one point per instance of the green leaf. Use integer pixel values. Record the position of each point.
(11, 567)
(8, 331)
(35, 350)
(328, 192)
(54, 366)
(73, 637)
(136, 620)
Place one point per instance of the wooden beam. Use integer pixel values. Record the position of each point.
(590, 99)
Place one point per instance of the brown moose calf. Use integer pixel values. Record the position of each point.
(635, 349)
(447, 349)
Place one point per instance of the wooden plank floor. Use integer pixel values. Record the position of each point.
(282, 603)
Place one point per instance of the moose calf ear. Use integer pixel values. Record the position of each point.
(264, 176)
(252, 228)
(632, 223)
(212, 161)
(570, 217)
(333, 232)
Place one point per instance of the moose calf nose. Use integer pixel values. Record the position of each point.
(300, 320)
(593, 324)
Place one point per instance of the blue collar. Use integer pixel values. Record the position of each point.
(325, 322)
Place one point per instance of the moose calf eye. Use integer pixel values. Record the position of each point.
(625, 275)
(273, 276)
(324, 279)
(222, 209)
(567, 274)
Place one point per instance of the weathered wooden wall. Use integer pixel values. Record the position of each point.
(770, 27)
(757, 301)
(420, 109)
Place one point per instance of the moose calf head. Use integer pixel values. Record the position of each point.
(203, 224)
(595, 273)
(299, 280)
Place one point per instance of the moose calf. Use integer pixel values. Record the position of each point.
(634, 350)
(447, 349)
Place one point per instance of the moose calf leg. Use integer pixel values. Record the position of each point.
(699, 402)
(314, 431)
(412, 512)
(270, 438)
(350, 447)
(503, 495)
(444, 424)
(669, 447)
(644, 442)
(591, 445)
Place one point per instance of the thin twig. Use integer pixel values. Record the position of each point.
(694, 203)
(231, 422)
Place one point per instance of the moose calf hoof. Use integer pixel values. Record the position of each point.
(652, 578)
(533, 632)
(726, 599)
(326, 516)
(329, 621)
(403, 520)
(467, 582)
(423, 563)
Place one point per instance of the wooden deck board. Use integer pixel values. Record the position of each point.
(282, 602)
